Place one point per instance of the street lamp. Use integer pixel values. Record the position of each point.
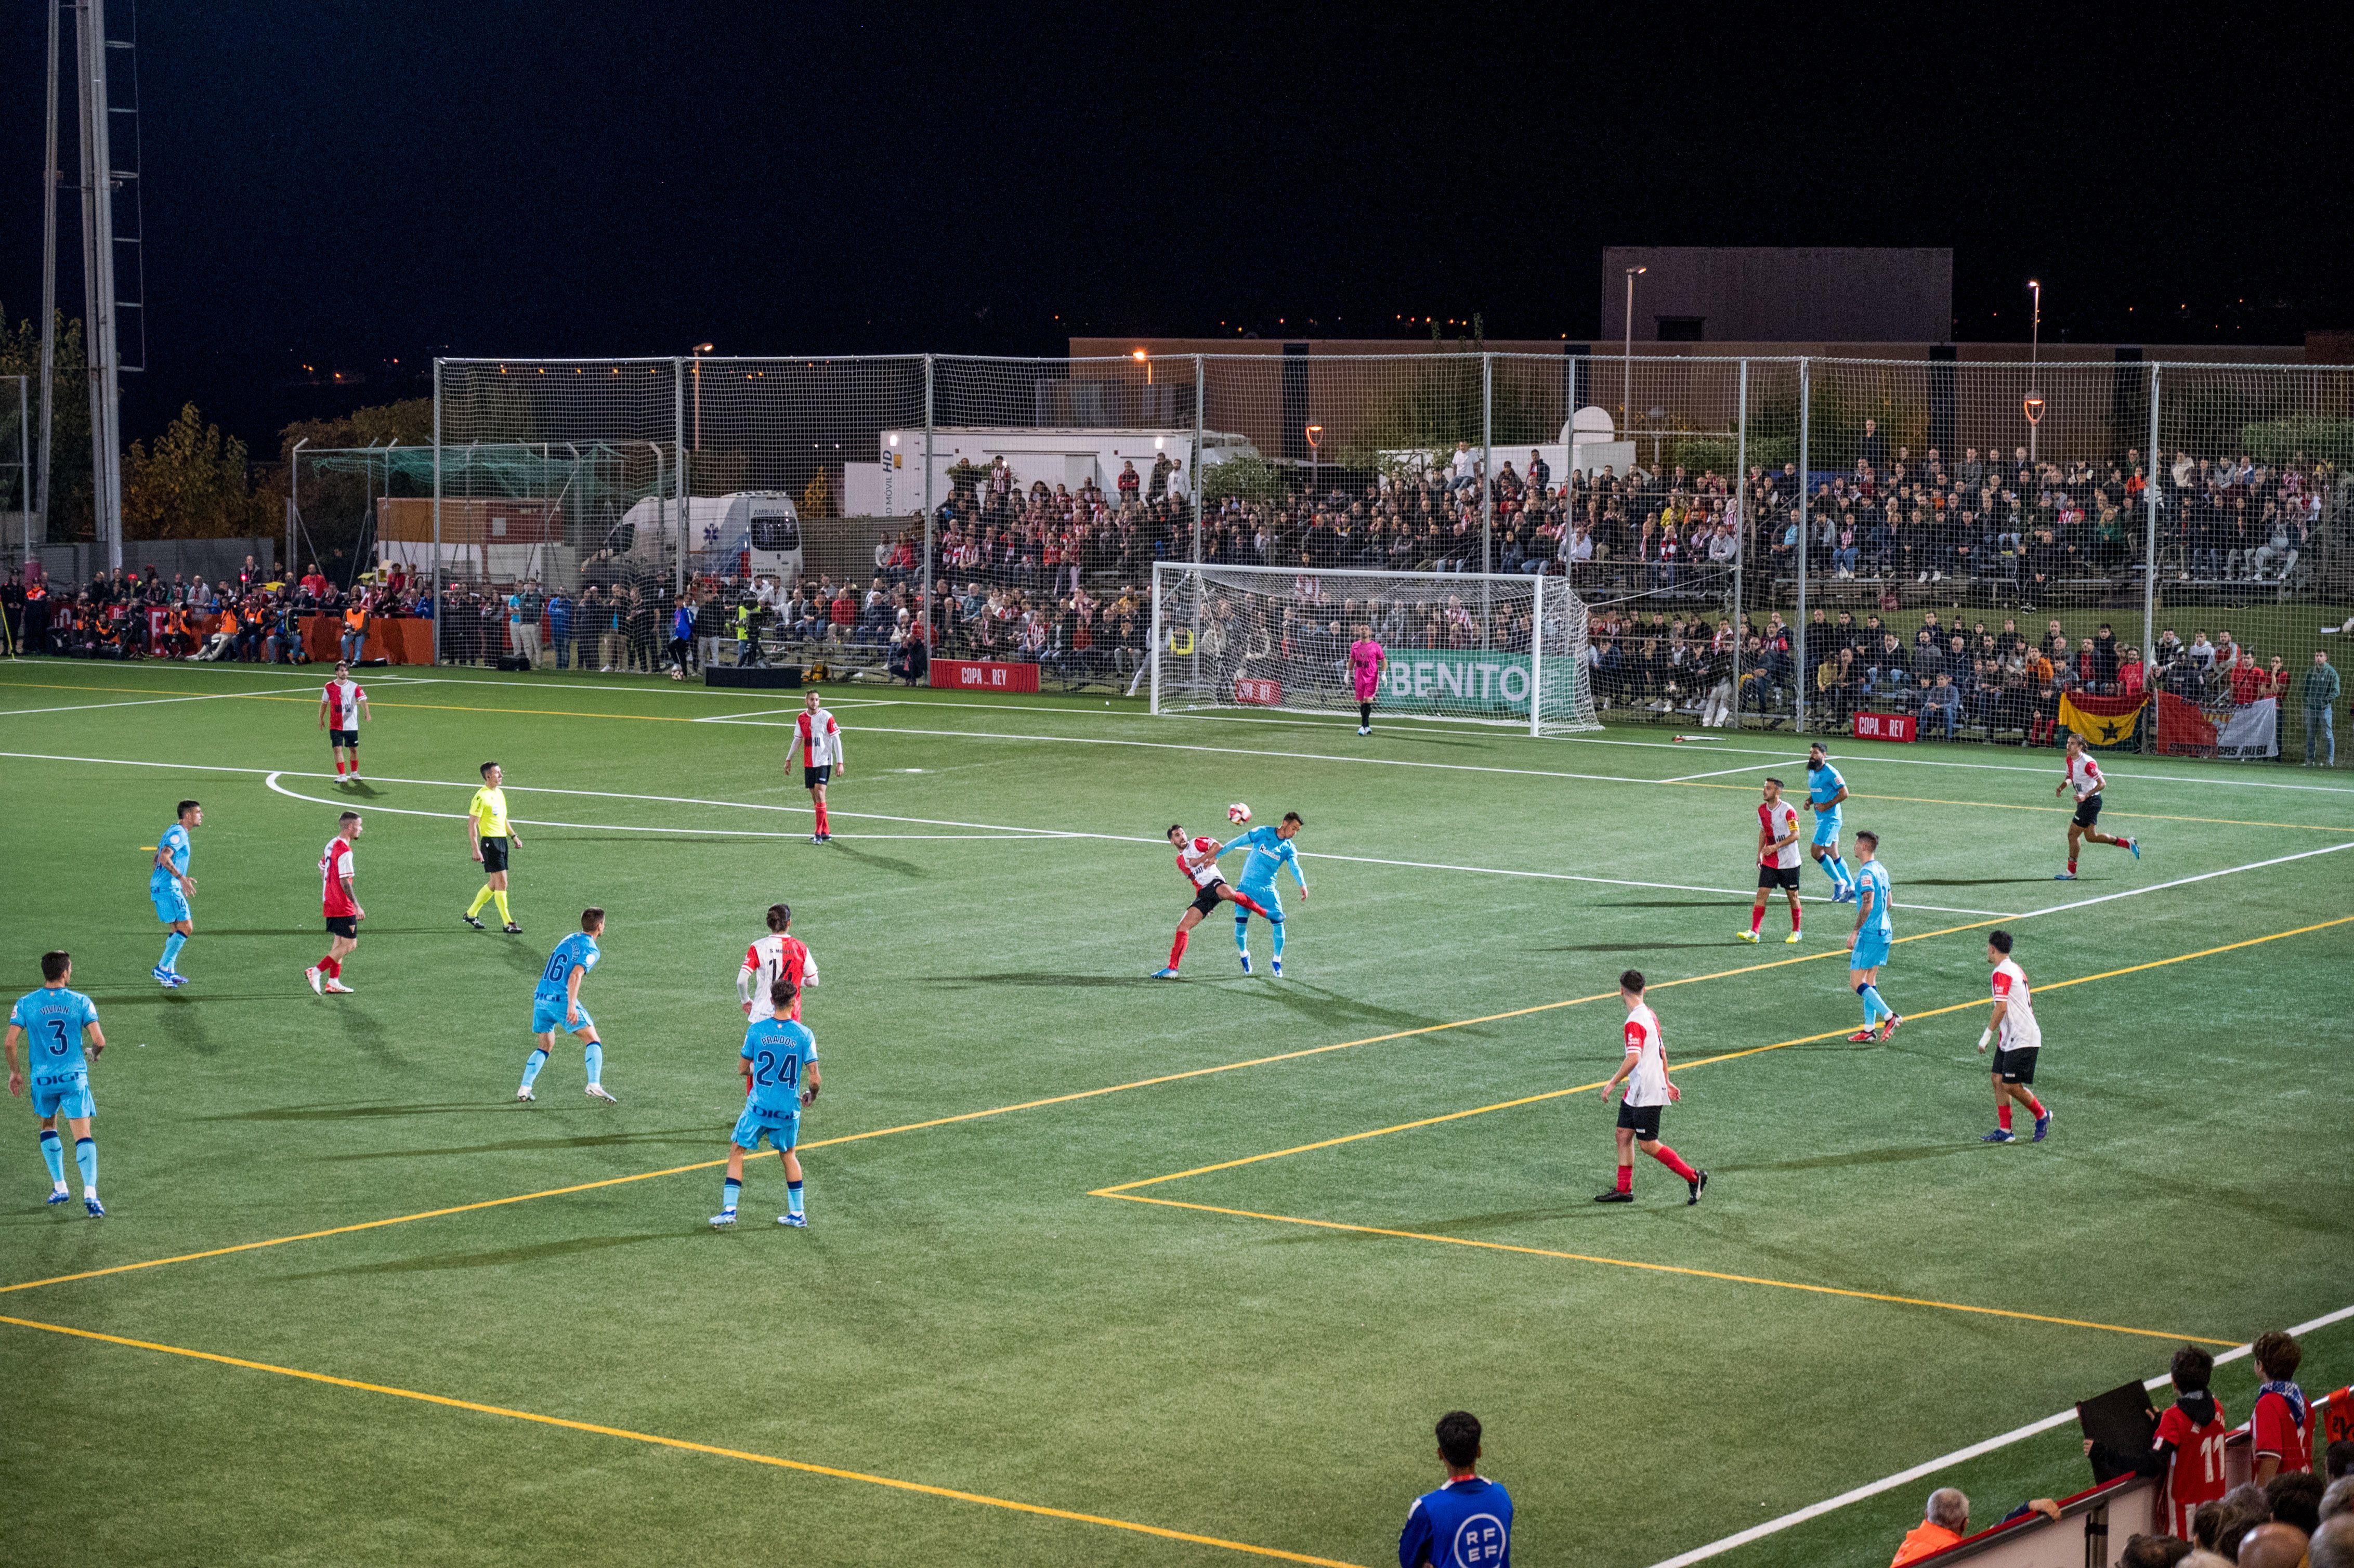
(699, 350)
(1144, 359)
(1315, 434)
(2034, 357)
(1627, 357)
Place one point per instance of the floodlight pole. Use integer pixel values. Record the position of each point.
(1487, 497)
(439, 607)
(98, 283)
(294, 502)
(50, 176)
(2149, 560)
(1740, 522)
(1626, 356)
(2034, 360)
(1805, 478)
(678, 434)
(930, 535)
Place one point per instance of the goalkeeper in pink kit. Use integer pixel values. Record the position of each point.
(1366, 662)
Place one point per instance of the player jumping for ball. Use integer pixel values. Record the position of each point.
(1778, 860)
(1644, 1071)
(2083, 776)
(1197, 862)
(1271, 848)
(2018, 1040)
(1867, 944)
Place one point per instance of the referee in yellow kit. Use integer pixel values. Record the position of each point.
(490, 835)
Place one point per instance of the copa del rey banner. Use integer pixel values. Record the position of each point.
(2101, 721)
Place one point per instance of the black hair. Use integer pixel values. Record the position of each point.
(781, 992)
(1999, 941)
(2192, 1369)
(347, 817)
(780, 917)
(2295, 1496)
(1774, 781)
(1294, 818)
(187, 806)
(485, 769)
(55, 964)
(1631, 980)
(1459, 1439)
(592, 918)
(2338, 1459)
(1868, 834)
(1174, 828)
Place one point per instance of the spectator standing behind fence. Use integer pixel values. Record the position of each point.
(1468, 1522)
(2318, 691)
(559, 627)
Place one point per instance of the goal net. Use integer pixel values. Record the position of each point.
(1487, 649)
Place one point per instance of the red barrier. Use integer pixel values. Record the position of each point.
(1887, 726)
(984, 675)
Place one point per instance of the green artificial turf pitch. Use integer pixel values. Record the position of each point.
(964, 1313)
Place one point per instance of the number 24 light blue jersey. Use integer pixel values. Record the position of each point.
(1873, 875)
(577, 951)
(53, 1019)
(778, 1049)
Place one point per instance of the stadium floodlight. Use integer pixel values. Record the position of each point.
(698, 351)
(1507, 649)
(1626, 356)
(2034, 359)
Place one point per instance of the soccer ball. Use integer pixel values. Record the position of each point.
(1239, 812)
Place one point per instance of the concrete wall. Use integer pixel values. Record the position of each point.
(1759, 293)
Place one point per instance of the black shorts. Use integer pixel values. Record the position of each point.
(1643, 1119)
(1778, 876)
(494, 854)
(2017, 1066)
(343, 738)
(2088, 812)
(347, 926)
(1206, 901)
(813, 777)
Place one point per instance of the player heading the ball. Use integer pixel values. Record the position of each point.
(1197, 863)
(1271, 848)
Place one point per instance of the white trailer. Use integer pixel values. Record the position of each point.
(752, 533)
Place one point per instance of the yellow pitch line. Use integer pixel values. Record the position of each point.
(803, 1466)
(1123, 1189)
(1673, 1269)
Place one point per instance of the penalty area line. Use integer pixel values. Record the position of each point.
(747, 1457)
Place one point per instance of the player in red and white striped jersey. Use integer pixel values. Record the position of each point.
(1644, 1072)
(819, 740)
(1778, 860)
(1197, 863)
(340, 708)
(2083, 776)
(2018, 1040)
(341, 907)
(777, 955)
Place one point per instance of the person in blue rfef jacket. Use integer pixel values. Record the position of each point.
(1468, 1522)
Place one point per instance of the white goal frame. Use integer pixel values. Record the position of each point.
(1545, 594)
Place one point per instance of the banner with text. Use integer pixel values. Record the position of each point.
(1453, 680)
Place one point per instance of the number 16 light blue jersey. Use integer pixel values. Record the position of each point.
(577, 951)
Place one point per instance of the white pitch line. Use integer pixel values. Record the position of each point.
(2179, 882)
(1931, 1466)
(1752, 768)
(154, 701)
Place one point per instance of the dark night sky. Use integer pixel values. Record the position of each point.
(342, 185)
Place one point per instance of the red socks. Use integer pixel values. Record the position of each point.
(1245, 901)
(1673, 1162)
(1177, 948)
(339, 767)
(1794, 916)
(821, 817)
(1626, 1178)
(2002, 1116)
(331, 968)
(1756, 919)
(2072, 868)
(2034, 1108)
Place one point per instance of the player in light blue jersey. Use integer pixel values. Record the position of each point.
(780, 1078)
(169, 886)
(1825, 791)
(52, 1023)
(1270, 849)
(556, 1004)
(1867, 944)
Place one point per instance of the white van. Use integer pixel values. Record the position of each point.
(749, 534)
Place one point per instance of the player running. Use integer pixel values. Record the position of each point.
(819, 740)
(170, 888)
(1825, 791)
(1778, 860)
(490, 837)
(2016, 1038)
(1271, 848)
(1197, 863)
(1869, 943)
(2083, 776)
(778, 956)
(340, 906)
(556, 1004)
(1367, 660)
(1644, 1070)
(779, 1080)
(342, 706)
(54, 1020)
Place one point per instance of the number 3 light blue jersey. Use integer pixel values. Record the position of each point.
(1269, 854)
(778, 1049)
(53, 1019)
(1873, 875)
(577, 951)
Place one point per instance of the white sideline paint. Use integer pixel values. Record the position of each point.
(1931, 1466)
(157, 702)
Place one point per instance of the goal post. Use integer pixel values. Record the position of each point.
(1509, 651)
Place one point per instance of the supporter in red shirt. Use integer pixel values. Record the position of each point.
(2247, 679)
(2190, 1436)
(2282, 1427)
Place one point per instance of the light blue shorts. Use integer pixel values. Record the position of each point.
(66, 1096)
(171, 904)
(547, 1017)
(1827, 829)
(782, 1131)
(1870, 951)
(1266, 899)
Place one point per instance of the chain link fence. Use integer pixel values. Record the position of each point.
(1825, 546)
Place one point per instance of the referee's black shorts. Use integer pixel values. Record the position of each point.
(494, 853)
